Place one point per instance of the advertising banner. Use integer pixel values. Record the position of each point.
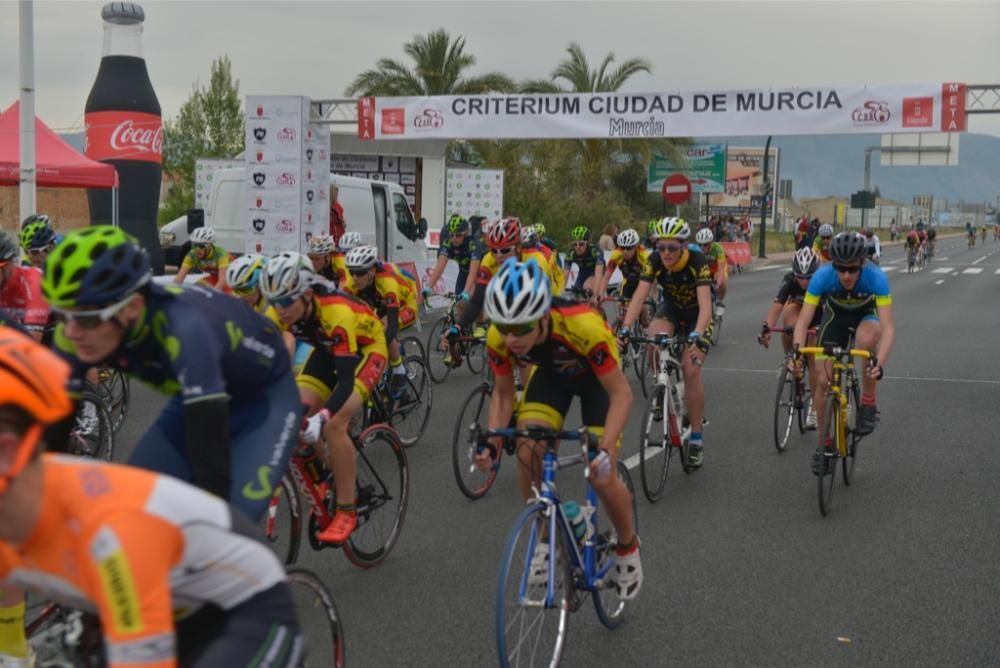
(705, 167)
(204, 172)
(474, 192)
(778, 111)
(744, 182)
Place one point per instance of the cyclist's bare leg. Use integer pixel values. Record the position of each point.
(821, 371)
(789, 316)
(694, 391)
(340, 457)
(867, 337)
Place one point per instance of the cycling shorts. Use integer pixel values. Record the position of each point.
(548, 396)
(317, 372)
(262, 434)
(684, 321)
(460, 280)
(835, 325)
(262, 630)
(627, 288)
(581, 278)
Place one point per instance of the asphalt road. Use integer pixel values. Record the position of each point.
(740, 568)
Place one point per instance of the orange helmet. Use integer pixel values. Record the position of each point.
(32, 379)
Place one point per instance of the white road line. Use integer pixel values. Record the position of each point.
(942, 270)
(773, 266)
(939, 281)
(954, 273)
(997, 271)
(942, 259)
(973, 270)
(897, 261)
(981, 259)
(887, 269)
(774, 372)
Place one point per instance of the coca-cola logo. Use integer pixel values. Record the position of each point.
(286, 134)
(127, 137)
(259, 178)
(428, 119)
(309, 154)
(309, 195)
(259, 133)
(871, 113)
(285, 179)
(258, 224)
(285, 225)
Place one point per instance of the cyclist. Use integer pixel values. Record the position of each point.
(821, 246)
(632, 259)
(206, 257)
(348, 240)
(575, 354)
(228, 425)
(912, 245)
(543, 239)
(393, 295)
(319, 251)
(341, 365)
(873, 249)
(686, 311)
(857, 296)
(982, 233)
(589, 260)
(20, 289)
(243, 278)
(716, 256)
(787, 305)
(457, 244)
(37, 239)
(931, 237)
(529, 237)
(970, 231)
(139, 549)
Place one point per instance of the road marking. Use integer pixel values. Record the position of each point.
(981, 259)
(942, 259)
(941, 270)
(774, 372)
(997, 271)
(897, 261)
(888, 269)
(771, 266)
(939, 281)
(973, 270)
(954, 273)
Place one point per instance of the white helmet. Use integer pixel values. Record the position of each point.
(805, 262)
(826, 230)
(704, 236)
(286, 276)
(519, 293)
(244, 272)
(529, 237)
(349, 240)
(627, 238)
(362, 257)
(203, 235)
(321, 244)
(673, 228)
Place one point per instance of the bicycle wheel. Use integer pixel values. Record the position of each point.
(847, 466)
(472, 482)
(828, 466)
(531, 630)
(654, 445)
(803, 403)
(411, 346)
(383, 491)
(436, 352)
(475, 357)
(319, 621)
(281, 526)
(716, 330)
(113, 386)
(784, 408)
(644, 366)
(411, 411)
(93, 434)
(610, 607)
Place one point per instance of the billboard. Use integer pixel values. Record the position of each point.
(744, 182)
(705, 167)
(474, 192)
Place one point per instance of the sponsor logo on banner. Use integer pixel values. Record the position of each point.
(309, 217)
(322, 195)
(393, 121)
(258, 225)
(260, 110)
(309, 154)
(953, 118)
(309, 134)
(286, 226)
(309, 195)
(918, 112)
(260, 156)
(124, 135)
(260, 202)
(287, 135)
(259, 178)
(285, 179)
(259, 134)
(322, 154)
(871, 112)
(428, 119)
(366, 118)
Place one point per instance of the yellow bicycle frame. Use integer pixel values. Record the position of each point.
(836, 386)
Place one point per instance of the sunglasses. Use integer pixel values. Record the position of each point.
(91, 319)
(358, 272)
(33, 252)
(847, 268)
(201, 246)
(516, 330)
(502, 251)
(668, 248)
(284, 302)
(244, 292)
(580, 243)
(826, 238)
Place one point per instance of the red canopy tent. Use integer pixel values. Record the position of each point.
(57, 164)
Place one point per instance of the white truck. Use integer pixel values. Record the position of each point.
(376, 209)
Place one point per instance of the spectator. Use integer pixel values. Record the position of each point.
(338, 225)
(893, 230)
(802, 233)
(607, 240)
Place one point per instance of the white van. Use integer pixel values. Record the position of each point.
(376, 209)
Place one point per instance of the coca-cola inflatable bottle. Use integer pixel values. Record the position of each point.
(124, 129)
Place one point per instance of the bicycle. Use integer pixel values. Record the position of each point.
(911, 259)
(575, 568)
(93, 433)
(381, 496)
(714, 329)
(409, 413)
(62, 637)
(666, 399)
(633, 354)
(840, 411)
(471, 349)
(793, 400)
(114, 390)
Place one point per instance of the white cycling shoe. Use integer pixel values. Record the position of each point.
(627, 574)
(811, 419)
(538, 570)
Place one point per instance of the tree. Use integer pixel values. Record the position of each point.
(210, 124)
(441, 66)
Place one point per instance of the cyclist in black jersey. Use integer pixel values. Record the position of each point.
(589, 260)
(458, 244)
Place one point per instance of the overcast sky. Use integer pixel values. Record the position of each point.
(316, 48)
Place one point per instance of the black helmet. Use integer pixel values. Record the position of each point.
(848, 247)
(8, 248)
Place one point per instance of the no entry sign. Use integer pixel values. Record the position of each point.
(676, 189)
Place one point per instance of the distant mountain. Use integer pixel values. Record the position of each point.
(835, 165)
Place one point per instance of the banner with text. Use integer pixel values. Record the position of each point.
(778, 111)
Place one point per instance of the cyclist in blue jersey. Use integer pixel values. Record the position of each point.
(855, 295)
(231, 422)
(458, 244)
(37, 239)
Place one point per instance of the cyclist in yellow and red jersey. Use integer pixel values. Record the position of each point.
(716, 256)
(348, 241)
(629, 257)
(821, 246)
(320, 251)
(393, 294)
(336, 372)
(206, 257)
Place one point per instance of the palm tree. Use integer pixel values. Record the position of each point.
(440, 69)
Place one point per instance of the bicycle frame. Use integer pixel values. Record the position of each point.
(842, 360)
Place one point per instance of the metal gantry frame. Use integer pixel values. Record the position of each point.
(336, 111)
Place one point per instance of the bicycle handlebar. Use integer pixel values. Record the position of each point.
(838, 352)
(790, 330)
(588, 441)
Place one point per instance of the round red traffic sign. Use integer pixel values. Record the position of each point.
(676, 189)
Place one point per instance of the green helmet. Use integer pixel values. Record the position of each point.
(580, 233)
(95, 266)
(37, 234)
(540, 229)
(458, 225)
(651, 226)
